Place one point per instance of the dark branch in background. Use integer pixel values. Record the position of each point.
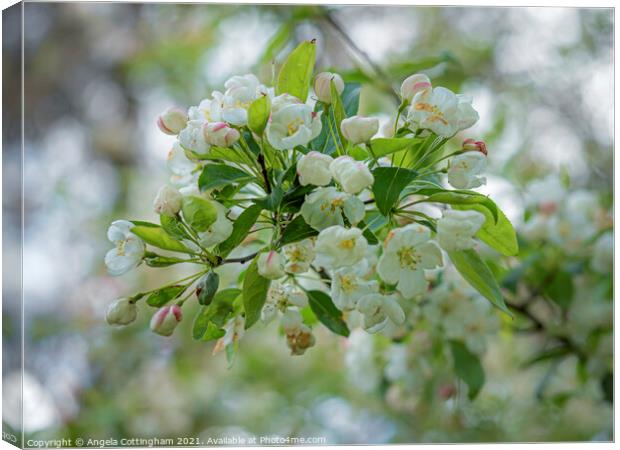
(261, 161)
(379, 72)
(242, 259)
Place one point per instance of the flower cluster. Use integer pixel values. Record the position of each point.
(332, 218)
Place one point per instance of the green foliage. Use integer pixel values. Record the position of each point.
(241, 229)
(255, 290)
(258, 114)
(473, 269)
(156, 236)
(211, 318)
(327, 313)
(337, 114)
(468, 368)
(388, 185)
(499, 234)
(198, 212)
(207, 287)
(162, 296)
(387, 146)
(296, 72)
(297, 230)
(217, 175)
(173, 226)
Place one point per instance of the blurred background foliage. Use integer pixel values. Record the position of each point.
(97, 75)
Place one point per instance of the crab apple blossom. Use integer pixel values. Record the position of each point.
(378, 309)
(313, 168)
(122, 312)
(192, 137)
(220, 134)
(129, 248)
(338, 246)
(407, 252)
(326, 207)
(166, 319)
(299, 336)
(322, 86)
(168, 201)
(219, 230)
(298, 256)
(465, 170)
(472, 145)
(270, 265)
(172, 121)
(456, 229)
(293, 125)
(208, 110)
(280, 297)
(348, 287)
(241, 91)
(359, 129)
(414, 84)
(352, 175)
(178, 162)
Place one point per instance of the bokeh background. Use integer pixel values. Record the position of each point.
(97, 75)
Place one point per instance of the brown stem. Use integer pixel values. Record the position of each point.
(261, 161)
(242, 259)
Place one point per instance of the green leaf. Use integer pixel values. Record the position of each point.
(210, 319)
(258, 114)
(479, 276)
(241, 228)
(351, 98)
(255, 290)
(272, 201)
(156, 236)
(217, 175)
(389, 183)
(499, 235)
(561, 288)
(387, 146)
(163, 296)
(461, 197)
(551, 353)
(337, 113)
(224, 154)
(327, 313)
(468, 368)
(198, 212)
(296, 72)
(368, 234)
(173, 226)
(207, 287)
(297, 230)
(155, 260)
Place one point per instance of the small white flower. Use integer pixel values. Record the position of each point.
(313, 168)
(209, 110)
(358, 129)
(166, 319)
(178, 162)
(407, 252)
(241, 91)
(220, 230)
(456, 229)
(465, 170)
(466, 115)
(172, 121)
(348, 287)
(298, 256)
(282, 100)
(168, 201)
(298, 335)
(603, 253)
(322, 86)
(121, 312)
(293, 125)
(413, 84)
(325, 207)
(270, 265)
(220, 134)
(352, 175)
(338, 246)
(281, 297)
(192, 137)
(129, 249)
(436, 111)
(378, 309)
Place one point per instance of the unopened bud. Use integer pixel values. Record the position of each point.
(168, 201)
(172, 121)
(414, 84)
(358, 129)
(166, 319)
(471, 145)
(121, 312)
(220, 134)
(322, 86)
(270, 265)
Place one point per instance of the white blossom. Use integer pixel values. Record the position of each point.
(241, 91)
(348, 287)
(293, 125)
(192, 137)
(456, 229)
(218, 231)
(337, 246)
(322, 86)
(129, 249)
(407, 252)
(313, 168)
(298, 256)
(220, 134)
(465, 170)
(378, 309)
(352, 175)
(414, 84)
(359, 129)
(168, 201)
(121, 312)
(299, 336)
(325, 207)
(270, 265)
(172, 121)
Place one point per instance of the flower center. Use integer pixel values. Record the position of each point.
(347, 244)
(436, 115)
(293, 126)
(409, 257)
(120, 247)
(347, 284)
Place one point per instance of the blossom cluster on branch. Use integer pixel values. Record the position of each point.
(332, 218)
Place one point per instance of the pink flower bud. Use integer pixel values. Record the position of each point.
(172, 121)
(166, 319)
(414, 84)
(270, 265)
(220, 134)
(473, 145)
(322, 86)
